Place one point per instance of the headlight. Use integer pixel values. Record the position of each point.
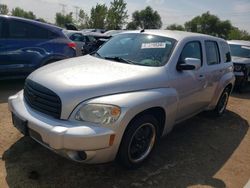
(237, 68)
(98, 113)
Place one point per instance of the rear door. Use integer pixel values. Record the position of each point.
(3, 42)
(215, 67)
(24, 46)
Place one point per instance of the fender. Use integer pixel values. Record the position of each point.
(133, 103)
(226, 79)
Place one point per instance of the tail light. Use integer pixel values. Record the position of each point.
(72, 45)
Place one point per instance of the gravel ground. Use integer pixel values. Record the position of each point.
(200, 152)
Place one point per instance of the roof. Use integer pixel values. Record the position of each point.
(46, 25)
(240, 42)
(178, 35)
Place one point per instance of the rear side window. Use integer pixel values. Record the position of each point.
(191, 50)
(77, 37)
(226, 55)
(91, 39)
(1, 28)
(212, 51)
(22, 30)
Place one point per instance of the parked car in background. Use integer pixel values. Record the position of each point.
(114, 32)
(94, 30)
(118, 102)
(92, 46)
(241, 58)
(26, 45)
(81, 39)
(86, 42)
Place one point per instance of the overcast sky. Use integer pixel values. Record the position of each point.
(171, 11)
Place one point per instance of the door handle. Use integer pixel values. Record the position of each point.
(201, 77)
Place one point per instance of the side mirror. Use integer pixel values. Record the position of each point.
(189, 64)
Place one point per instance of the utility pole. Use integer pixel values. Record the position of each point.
(76, 12)
(63, 8)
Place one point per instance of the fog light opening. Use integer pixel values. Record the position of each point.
(82, 155)
(78, 156)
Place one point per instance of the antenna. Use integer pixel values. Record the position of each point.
(63, 8)
(76, 12)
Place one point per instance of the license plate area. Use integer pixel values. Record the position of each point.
(20, 124)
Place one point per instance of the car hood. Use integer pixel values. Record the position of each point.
(78, 79)
(241, 60)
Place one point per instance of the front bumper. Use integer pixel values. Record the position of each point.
(64, 136)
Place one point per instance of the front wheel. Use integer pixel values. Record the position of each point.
(222, 103)
(138, 141)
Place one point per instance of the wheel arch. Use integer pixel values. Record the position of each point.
(158, 112)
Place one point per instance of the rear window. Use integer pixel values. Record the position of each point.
(23, 30)
(77, 37)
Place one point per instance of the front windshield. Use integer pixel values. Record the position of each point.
(137, 48)
(240, 50)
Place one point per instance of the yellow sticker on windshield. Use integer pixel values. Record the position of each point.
(153, 45)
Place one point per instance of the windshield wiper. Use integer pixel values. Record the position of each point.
(95, 54)
(120, 59)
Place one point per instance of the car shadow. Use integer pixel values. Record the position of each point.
(9, 87)
(243, 93)
(190, 155)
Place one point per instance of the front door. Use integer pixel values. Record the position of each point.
(190, 84)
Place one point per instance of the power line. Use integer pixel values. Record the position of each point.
(76, 12)
(63, 8)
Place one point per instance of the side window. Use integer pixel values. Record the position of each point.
(77, 37)
(212, 51)
(226, 55)
(23, 30)
(1, 28)
(191, 50)
(92, 39)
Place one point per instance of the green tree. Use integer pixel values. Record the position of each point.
(83, 20)
(145, 19)
(98, 16)
(41, 20)
(61, 19)
(117, 15)
(4, 9)
(132, 26)
(175, 27)
(209, 24)
(22, 13)
(237, 34)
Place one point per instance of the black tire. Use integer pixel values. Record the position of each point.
(138, 141)
(222, 103)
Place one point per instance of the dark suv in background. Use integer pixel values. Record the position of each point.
(26, 45)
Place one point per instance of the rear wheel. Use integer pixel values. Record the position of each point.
(222, 103)
(138, 141)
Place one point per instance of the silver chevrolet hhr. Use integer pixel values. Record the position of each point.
(117, 102)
